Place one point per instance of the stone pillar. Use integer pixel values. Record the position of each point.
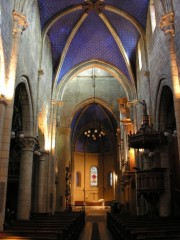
(25, 179)
(3, 164)
(20, 25)
(41, 181)
(100, 175)
(64, 160)
(56, 105)
(167, 26)
(3, 105)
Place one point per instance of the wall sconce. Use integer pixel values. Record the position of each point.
(17, 134)
(170, 134)
(2, 96)
(151, 154)
(37, 148)
(174, 133)
(166, 134)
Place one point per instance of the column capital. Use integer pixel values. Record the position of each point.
(28, 143)
(43, 155)
(20, 23)
(167, 24)
(123, 106)
(3, 100)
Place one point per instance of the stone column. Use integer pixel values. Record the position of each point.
(100, 175)
(64, 160)
(56, 105)
(167, 26)
(3, 105)
(25, 180)
(20, 25)
(41, 181)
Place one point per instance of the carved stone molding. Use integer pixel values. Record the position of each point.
(167, 24)
(95, 5)
(28, 143)
(3, 100)
(123, 107)
(43, 155)
(20, 23)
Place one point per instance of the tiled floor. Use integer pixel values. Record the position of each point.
(93, 231)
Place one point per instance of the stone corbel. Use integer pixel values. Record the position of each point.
(3, 100)
(20, 23)
(167, 24)
(123, 107)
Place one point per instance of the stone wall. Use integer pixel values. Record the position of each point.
(30, 58)
(105, 165)
(176, 9)
(80, 89)
(158, 57)
(6, 30)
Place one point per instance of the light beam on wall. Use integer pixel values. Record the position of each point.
(44, 127)
(2, 70)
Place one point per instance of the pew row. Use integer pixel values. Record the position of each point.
(61, 226)
(138, 228)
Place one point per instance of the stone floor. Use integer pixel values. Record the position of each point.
(95, 227)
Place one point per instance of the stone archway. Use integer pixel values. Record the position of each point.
(21, 124)
(167, 123)
(93, 158)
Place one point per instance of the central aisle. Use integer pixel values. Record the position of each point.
(95, 227)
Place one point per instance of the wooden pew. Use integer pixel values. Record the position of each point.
(60, 226)
(135, 228)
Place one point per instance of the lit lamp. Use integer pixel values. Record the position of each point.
(37, 148)
(17, 134)
(166, 134)
(174, 133)
(94, 132)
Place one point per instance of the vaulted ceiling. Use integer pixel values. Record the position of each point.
(81, 30)
(101, 30)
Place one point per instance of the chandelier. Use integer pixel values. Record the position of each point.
(95, 131)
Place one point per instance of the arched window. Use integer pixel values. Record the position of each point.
(153, 16)
(110, 179)
(139, 56)
(78, 179)
(94, 176)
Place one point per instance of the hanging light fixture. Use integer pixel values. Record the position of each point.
(37, 147)
(94, 131)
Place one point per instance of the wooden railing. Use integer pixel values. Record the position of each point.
(151, 180)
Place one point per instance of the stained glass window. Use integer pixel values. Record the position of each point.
(94, 176)
(110, 179)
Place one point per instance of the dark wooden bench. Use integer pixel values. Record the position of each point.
(60, 226)
(135, 228)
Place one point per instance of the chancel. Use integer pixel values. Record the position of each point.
(89, 119)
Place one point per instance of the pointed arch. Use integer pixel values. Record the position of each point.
(130, 90)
